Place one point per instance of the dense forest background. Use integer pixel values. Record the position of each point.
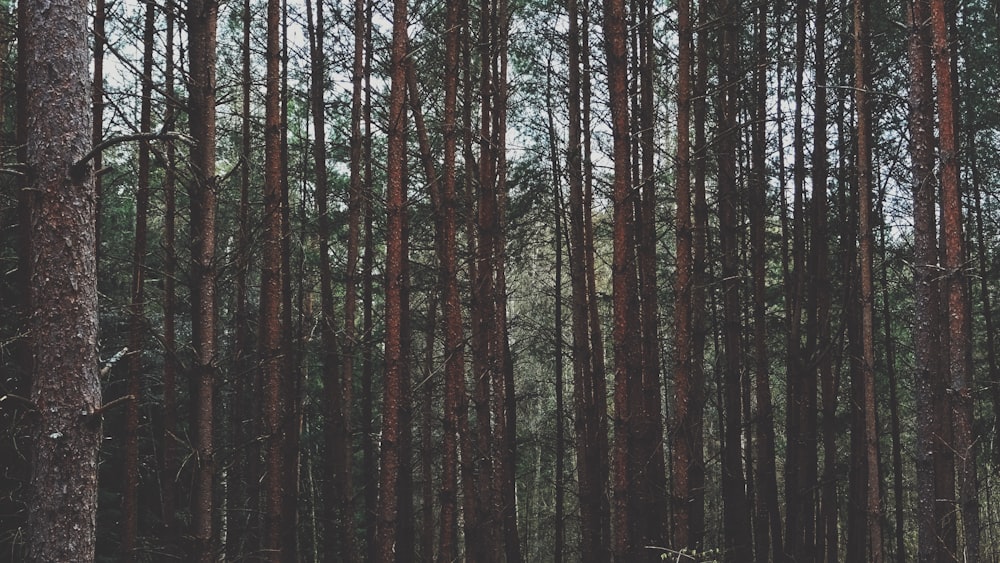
(506, 280)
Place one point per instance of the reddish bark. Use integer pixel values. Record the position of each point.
(862, 81)
(395, 356)
(202, 17)
(956, 284)
(65, 388)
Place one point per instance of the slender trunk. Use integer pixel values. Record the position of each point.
(454, 342)
(921, 129)
(291, 415)
(369, 461)
(768, 515)
(956, 285)
(169, 492)
(862, 82)
(137, 322)
(271, 326)
(648, 432)
(683, 441)
(426, 550)
(202, 18)
(405, 541)
(796, 494)
(736, 521)
(699, 244)
(558, 348)
(894, 422)
(395, 356)
(587, 423)
(626, 337)
(242, 483)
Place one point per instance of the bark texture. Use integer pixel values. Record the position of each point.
(65, 389)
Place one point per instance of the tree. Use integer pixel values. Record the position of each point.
(137, 329)
(866, 238)
(388, 503)
(65, 390)
(202, 17)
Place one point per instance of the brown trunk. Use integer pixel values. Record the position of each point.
(736, 521)
(137, 321)
(921, 118)
(454, 340)
(983, 260)
(395, 355)
(699, 243)
(169, 494)
(818, 362)
(796, 493)
(587, 420)
(369, 461)
(559, 543)
(767, 524)
(626, 332)
(405, 542)
(271, 326)
(652, 501)
(956, 286)
(894, 421)
(202, 17)
(291, 412)
(65, 389)
(426, 550)
(683, 439)
(242, 489)
(862, 82)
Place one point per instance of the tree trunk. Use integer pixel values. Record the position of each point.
(862, 81)
(65, 386)
(768, 516)
(202, 17)
(137, 319)
(626, 333)
(956, 284)
(169, 492)
(454, 340)
(736, 521)
(395, 356)
(242, 490)
(926, 352)
(683, 439)
(276, 402)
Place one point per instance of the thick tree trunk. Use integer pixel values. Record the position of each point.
(956, 283)
(65, 388)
